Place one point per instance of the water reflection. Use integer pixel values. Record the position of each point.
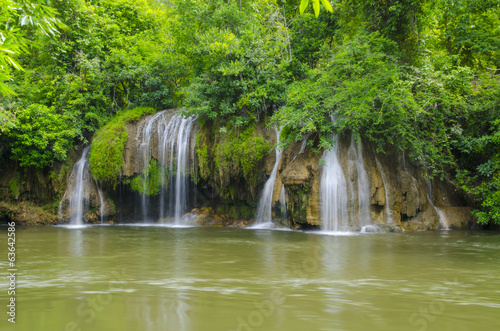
(167, 304)
(75, 243)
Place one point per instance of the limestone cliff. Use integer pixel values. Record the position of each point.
(400, 196)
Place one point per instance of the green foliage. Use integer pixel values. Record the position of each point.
(309, 35)
(237, 212)
(106, 154)
(41, 136)
(232, 156)
(14, 187)
(469, 31)
(149, 181)
(325, 3)
(7, 120)
(357, 88)
(476, 144)
(240, 154)
(238, 58)
(396, 20)
(109, 55)
(14, 16)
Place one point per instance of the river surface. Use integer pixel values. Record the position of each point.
(216, 279)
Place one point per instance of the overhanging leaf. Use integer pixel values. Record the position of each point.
(303, 5)
(327, 5)
(14, 63)
(316, 7)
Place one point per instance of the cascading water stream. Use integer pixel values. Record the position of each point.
(143, 142)
(386, 188)
(302, 149)
(78, 201)
(442, 219)
(283, 202)
(173, 137)
(182, 168)
(333, 192)
(361, 200)
(101, 206)
(264, 209)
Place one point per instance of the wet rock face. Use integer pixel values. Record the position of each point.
(39, 186)
(298, 172)
(400, 196)
(25, 213)
(92, 206)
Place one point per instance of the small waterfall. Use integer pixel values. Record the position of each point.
(442, 219)
(361, 200)
(302, 149)
(283, 202)
(333, 192)
(264, 209)
(386, 188)
(173, 141)
(344, 201)
(415, 188)
(101, 206)
(184, 128)
(78, 201)
(143, 144)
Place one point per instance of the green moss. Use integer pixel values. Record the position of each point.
(239, 155)
(237, 212)
(203, 152)
(14, 187)
(231, 160)
(298, 199)
(106, 154)
(149, 181)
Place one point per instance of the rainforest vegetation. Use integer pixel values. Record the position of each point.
(419, 76)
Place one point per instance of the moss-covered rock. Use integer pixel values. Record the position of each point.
(26, 213)
(232, 160)
(106, 154)
(149, 181)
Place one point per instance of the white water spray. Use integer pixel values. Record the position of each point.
(333, 192)
(101, 206)
(173, 138)
(386, 188)
(264, 209)
(360, 202)
(78, 201)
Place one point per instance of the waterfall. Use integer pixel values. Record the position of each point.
(302, 149)
(143, 144)
(386, 188)
(101, 206)
(264, 209)
(283, 202)
(173, 141)
(442, 219)
(183, 128)
(333, 192)
(80, 178)
(361, 200)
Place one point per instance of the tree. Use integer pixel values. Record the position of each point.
(15, 17)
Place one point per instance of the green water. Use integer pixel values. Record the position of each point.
(156, 278)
